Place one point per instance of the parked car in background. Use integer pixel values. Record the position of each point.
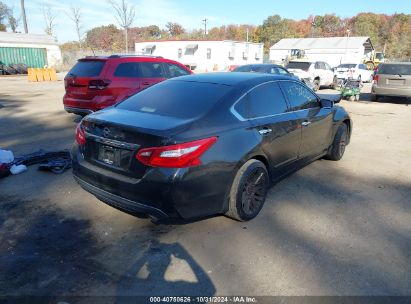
(392, 79)
(264, 68)
(213, 147)
(317, 72)
(354, 71)
(269, 68)
(97, 82)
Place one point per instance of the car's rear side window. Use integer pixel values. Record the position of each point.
(298, 65)
(87, 68)
(264, 100)
(181, 99)
(128, 69)
(395, 69)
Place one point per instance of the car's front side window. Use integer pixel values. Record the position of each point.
(175, 71)
(300, 98)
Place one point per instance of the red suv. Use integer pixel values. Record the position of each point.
(97, 82)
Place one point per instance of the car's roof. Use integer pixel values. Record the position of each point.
(231, 79)
(261, 64)
(302, 60)
(392, 63)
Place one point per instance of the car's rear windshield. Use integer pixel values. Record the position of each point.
(87, 68)
(180, 99)
(250, 68)
(347, 66)
(395, 69)
(298, 65)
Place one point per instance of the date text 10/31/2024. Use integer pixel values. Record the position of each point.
(234, 299)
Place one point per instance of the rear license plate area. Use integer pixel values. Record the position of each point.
(396, 81)
(109, 155)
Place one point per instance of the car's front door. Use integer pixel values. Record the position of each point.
(314, 120)
(269, 115)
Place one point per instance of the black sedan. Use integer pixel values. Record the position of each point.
(206, 144)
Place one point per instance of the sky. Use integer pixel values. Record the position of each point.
(190, 13)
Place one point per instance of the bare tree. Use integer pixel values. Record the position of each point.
(49, 18)
(125, 14)
(75, 16)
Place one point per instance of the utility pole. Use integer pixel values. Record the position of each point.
(247, 33)
(23, 14)
(205, 20)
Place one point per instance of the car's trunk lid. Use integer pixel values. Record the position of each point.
(115, 136)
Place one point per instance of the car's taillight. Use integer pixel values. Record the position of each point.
(99, 84)
(176, 156)
(376, 77)
(80, 135)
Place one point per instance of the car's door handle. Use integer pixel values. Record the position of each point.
(145, 83)
(305, 123)
(265, 131)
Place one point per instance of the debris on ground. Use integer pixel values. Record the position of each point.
(56, 162)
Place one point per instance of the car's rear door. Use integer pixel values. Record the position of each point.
(152, 72)
(125, 79)
(314, 121)
(267, 112)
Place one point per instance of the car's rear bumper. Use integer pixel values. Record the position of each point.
(78, 111)
(161, 192)
(78, 106)
(121, 203)
(391, 91)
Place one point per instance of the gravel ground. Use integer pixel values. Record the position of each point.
(332, 228)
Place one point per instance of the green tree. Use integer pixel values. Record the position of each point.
(4, 14)
(174, 29)
(106, 37)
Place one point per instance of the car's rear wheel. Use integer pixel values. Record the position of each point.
(248, 191)
(337, 148)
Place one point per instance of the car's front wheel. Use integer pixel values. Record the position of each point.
(337, 148)
(248, 191)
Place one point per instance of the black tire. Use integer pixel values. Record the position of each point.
(375, 97)
(335, 85)
(337, 148)
(316, 85)
(248, 191)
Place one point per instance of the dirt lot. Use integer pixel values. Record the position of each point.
(333, 228)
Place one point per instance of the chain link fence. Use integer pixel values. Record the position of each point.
(69, 58)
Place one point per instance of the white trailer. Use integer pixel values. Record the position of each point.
(333, 50)
(204, 55)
